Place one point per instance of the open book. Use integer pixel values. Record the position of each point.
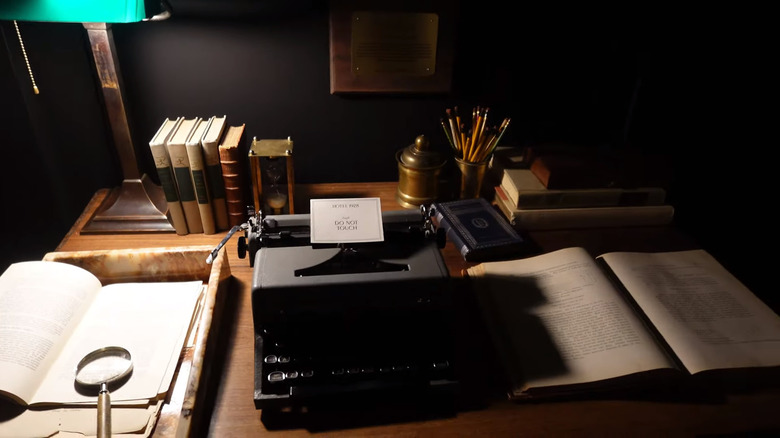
(564, 322)
(52, 314)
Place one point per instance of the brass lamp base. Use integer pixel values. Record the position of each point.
(137, 206)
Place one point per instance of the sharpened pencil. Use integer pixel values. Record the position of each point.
(476, 143)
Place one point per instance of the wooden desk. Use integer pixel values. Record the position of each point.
(234, 414)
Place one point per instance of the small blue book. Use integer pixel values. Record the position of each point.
(478, 231)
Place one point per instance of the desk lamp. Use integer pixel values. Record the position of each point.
(138, 205)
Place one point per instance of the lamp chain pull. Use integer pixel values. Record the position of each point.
(26, 61)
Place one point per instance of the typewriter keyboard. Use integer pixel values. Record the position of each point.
(364, 354)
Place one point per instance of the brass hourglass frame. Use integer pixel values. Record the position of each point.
(261, 152)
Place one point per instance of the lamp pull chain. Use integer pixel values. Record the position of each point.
(26, 61)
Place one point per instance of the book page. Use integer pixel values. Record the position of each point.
(150, 320)
(41, 303)
(562, 321)
(707, 316)
(80, 421)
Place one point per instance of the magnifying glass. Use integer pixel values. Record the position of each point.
(99, 368)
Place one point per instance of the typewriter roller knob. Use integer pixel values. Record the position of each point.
(242, 247)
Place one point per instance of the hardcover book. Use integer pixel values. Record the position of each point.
(233, 157)
(525, 190)
(477, 230)
(61, 312)
(200, 177)
(580, 170)
(504, 157)
(162, 162)
(573, 172)
(581, 217)
(177, 148)
(623, 319)
(210, 142)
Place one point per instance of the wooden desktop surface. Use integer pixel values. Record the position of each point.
(486, 412)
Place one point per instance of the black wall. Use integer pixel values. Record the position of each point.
(690, 83)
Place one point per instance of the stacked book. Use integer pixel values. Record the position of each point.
(546, 196)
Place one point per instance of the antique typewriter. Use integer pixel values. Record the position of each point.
(359, 320)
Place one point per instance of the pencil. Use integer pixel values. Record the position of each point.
(448, 135)
(477, 143)
(479, 130)
(455, 135)
(498, 136)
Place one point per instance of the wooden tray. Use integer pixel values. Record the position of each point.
(186, 397)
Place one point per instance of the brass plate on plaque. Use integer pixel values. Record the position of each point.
(394, 43)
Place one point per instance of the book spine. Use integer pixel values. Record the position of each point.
(181, 171)
(168, 183)
(504, 204)
(564, 199)
(583, 217)
(574, 172)
(588, 198)
(216, 184)
(452, 234)
(200, 184)
(233, 177)
(541, 171)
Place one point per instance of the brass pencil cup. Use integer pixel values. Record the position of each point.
(471, 177)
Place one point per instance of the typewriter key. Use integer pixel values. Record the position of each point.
(276, 376)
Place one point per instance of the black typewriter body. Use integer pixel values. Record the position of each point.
(350, 321)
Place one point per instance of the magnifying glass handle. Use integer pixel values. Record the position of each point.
(104, 412)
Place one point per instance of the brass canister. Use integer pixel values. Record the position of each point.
(418, 173)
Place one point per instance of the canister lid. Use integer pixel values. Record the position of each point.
(420, 156)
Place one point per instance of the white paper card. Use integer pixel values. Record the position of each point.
(346, 220)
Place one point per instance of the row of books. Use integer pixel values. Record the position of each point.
(529, 201)
(198, 165)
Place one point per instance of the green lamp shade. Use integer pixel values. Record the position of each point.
(77, 11)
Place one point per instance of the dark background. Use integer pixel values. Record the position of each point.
(697, 84)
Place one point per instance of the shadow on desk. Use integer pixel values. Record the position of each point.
(351, 413)
(483, 369)
(482, 385)
(346, 412)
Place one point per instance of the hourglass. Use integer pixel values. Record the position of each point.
(272, 175)
(275, 197)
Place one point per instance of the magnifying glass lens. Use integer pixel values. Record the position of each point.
(99, 368)
(103, 369)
